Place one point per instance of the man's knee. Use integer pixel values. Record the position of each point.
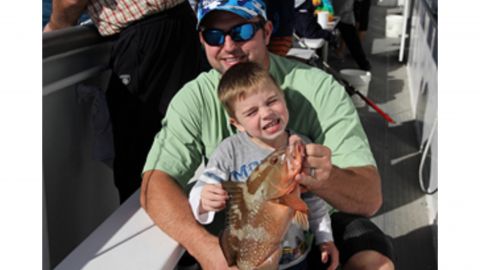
(368, 260)
(361, 243)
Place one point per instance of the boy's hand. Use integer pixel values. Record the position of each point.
(212, 198)
(328, 249)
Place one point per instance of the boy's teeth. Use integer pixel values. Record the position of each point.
(271, 124)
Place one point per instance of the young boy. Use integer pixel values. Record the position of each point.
(256, 107)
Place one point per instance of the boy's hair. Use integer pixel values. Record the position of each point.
(241, 80)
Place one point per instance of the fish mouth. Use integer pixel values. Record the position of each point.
(295, 156)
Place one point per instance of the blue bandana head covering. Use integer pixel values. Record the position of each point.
(244, 8)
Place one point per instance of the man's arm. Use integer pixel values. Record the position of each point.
(355, 190)
(352, 190)
(167, 205)
(65, 13)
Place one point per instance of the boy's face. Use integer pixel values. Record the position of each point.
(232, 52)
(263, 115)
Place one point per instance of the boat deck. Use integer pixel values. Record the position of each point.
(79, 192)
(408, 215)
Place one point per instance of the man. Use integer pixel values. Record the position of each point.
(150, 61)
(339, 167)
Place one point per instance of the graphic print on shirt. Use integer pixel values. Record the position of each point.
(245, 170)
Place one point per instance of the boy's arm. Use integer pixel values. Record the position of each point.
(319, 218)
(212, 174)
(166, 204)
(195, 198)
(65, 13)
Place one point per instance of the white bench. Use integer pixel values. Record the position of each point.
(128, 239)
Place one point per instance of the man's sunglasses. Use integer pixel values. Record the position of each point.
(239, 33)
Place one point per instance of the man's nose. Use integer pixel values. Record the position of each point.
(229, 44)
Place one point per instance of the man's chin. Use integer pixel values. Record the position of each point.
(227, 65)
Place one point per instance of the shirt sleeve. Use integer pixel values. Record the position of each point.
(342, 129)
(326, 114)
(216, 172)
(319, 218)
(209, 176)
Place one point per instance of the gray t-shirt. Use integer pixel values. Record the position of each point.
(235, 159)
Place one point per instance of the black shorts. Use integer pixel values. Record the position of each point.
(353, 234)
(361, 9)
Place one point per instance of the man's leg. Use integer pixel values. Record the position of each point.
(361, 8)
(368, 260)
(349, 35)
(151, 62)
(362, 245)
(134, 126)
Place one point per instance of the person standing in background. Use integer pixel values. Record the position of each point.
(361, 9)
(344, 9)
(150, 62)
(282, 15)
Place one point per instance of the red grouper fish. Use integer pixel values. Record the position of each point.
(261, 210)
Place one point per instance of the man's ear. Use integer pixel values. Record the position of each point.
(236, 124)
(202, 41)
(267, 30)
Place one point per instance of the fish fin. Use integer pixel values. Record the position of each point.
(231, 185)
(226, 245)
(237, 211)
(294, 201)
(301, 219)
(301, 209)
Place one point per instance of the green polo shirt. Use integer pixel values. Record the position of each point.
(195, 122)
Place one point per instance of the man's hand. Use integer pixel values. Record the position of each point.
(212, 198)
(166, 203)
(212, 256)
(48, 28)
(317, 165)
(65, 13)
(354, 190)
